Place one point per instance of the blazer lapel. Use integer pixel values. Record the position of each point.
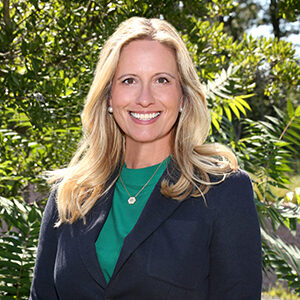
(87, 234)
(157, 209)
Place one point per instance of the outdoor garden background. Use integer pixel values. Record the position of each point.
(48, 53)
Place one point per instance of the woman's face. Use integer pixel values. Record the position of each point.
(146, 92)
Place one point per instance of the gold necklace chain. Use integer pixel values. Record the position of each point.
(132, 199)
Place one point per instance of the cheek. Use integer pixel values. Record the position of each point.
(173, 118)
(119, 101)
(172, 102)
(170, 95)
(122, 96)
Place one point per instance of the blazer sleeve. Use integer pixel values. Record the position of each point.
(235, 249)
(42, 286)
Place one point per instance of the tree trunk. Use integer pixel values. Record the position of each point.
(275, 20)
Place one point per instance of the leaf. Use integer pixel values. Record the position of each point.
(290, 138)
(290, 108)
(8, 263)
(294, 133)
(281, 144)
(68, 91)
(244, 102)
(8, 255)
(240, 107)
(289, 253)
(9, 289)
(273, 119)
(297, 112)
(216, 123)
(17, 249)
(20, 206)
(235, 110)
(228, 113)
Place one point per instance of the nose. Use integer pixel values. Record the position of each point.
(145, 97)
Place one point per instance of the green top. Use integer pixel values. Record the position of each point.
(122, 216)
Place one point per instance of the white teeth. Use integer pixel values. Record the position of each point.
(144, 117)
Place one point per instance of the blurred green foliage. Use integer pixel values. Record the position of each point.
(48, 53)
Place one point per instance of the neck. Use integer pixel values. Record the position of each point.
(142, 155)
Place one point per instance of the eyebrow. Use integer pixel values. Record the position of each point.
(165, 73)
(134, 75)
(125, 75)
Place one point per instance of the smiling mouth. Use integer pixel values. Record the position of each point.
(144, 117)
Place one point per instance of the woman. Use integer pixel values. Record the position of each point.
(145, 209)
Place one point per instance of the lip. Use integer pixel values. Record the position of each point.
(144, 122)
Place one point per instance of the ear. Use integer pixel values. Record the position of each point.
(109, 94)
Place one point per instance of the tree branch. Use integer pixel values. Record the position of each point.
(286, 127)
(6, 15)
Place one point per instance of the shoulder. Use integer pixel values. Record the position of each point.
(51, 213)
(238, 180)
(235, 190)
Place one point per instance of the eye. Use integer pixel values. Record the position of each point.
(162, 80)
(129, 81)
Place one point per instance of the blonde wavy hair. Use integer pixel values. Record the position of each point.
(99, 154)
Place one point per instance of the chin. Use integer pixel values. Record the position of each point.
(144, 138)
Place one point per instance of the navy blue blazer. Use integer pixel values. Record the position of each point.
(177, 250)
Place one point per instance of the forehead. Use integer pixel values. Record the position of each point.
(142, 53)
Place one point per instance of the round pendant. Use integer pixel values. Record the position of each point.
(131, 200)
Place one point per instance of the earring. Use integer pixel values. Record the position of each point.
(110, 109)
(180, 100)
